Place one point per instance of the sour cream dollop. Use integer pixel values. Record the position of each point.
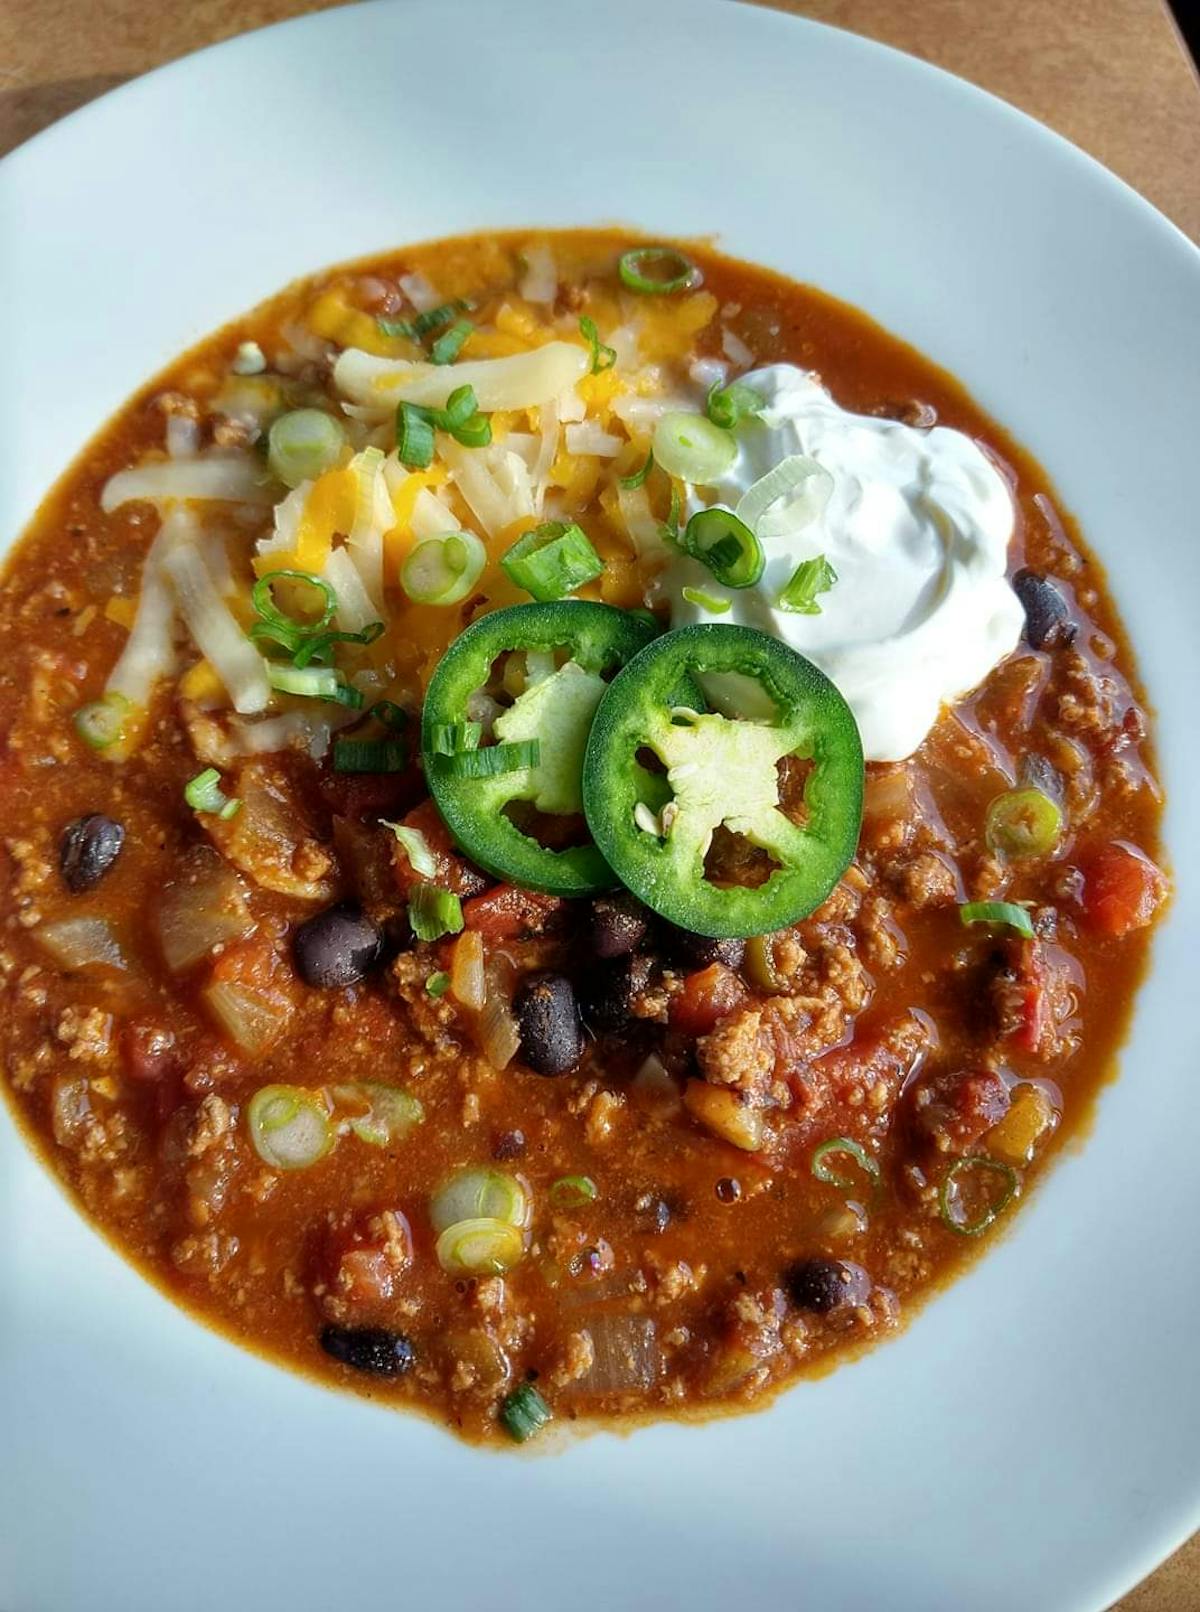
(916, 526)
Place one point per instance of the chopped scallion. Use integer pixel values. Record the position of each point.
(572, 1191)
(552, 560)
(448, 345)
(728, 406)
(493, 760)
(808, 579)
(706, 601)
(103, 722)
(726, 546)
(424, 324)
(263, 600)
(433, 912)
(303, 444)
(524, 1412)
(602, 357)
(443, 570)
(639, 476)
(311, 682)
(319, 647)
(950, 1196)
(998, 912)
(656, 271)
(414, 436)
(438, 984)
(1023, 822)
(203, 793)
(449, 738)
(368, 755)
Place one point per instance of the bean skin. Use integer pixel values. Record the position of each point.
(338, 947)
(88, 848)
(372, 1349)
(821, 1285)
(548, 1019)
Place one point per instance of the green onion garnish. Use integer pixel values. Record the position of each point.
(390, 714)
(460, 406)
(728, 406)
(448, 346)
(438, 984)
(670, 527)
(991, 1210)
(706, 601)
(369, 755)
(639, 476)
(998, 912)
(414, 436)
(443, 570)
(842, 1144)
(203, 793)
(726, 546)
(474, 432)
(1023, 822)
(656, 271)
(602, 357)
(415, 847)
(278, 620)
(808, 579)
(524, 1412)
(448, 738)
(572, 1191)
(304, 444)
(311, 682)
(319, 648)
(102, 723)
(424, 324)
(433, 912)
(552, 560)
(493, 760)
(346, 694)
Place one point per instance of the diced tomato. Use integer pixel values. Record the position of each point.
(452, 872)
(954, 1108)
(366, 796)
(707, 996)
(1122, 889)
(509, 913)
(1025, 998)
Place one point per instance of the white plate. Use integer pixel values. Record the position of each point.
(1033, 1440)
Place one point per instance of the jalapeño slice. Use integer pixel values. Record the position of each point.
(656, 828)
(563, 652)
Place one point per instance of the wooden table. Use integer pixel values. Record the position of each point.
(1109, 74)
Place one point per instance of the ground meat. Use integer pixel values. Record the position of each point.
(601, 1116)
(578, 1357)
(740, 1052)
(865, 1079)
(1088, 702)
(924, 880)
(210, 1124)
(204, 1254)
(951, 1109)
(87, 1034)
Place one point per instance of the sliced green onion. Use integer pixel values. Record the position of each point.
(728, 406)
(670, 527)
(656, 271)
(438, 984)
(572, 1191)
(443, 570)
(842, 1144)
(693, 448)
(524, 1412)
(304, 444)
(321, 646)
(479, 1248)
(347, 694)
(433, 912)
(369, 755)
(448, 346)
(552, 560)
(312, 682)
(414, 436)
(480, 1194)
(203, 793)
(602, 357)
(639, 476)
(991, 1210)
(808, 579)
(289, 1126)
(706, 601)
(460, 406)
(416, 848)
(391, 1112)
(492, 761)
(1024, 822)
(998, 912)
(263, 600)
(451, 737)
(475, 432)
(390, 714)
(726, 546)
(102, 722)
(424, 324)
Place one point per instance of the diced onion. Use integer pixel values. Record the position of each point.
(220, 639)
(590, 437)
(303, 444)
(523, 381)
(467, 984)
(289, 1127)
(693, 448)
(78, 942)
(625, 1355)
(419, 292)
(539, 283)
(499, 1037)
(416, 848)
(251, 1019)
(788, 498)
(735, 349)
(203, 909)
(480, 1194)
(239, 480)
(479, 1248)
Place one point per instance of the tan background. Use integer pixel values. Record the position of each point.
(1112, 75)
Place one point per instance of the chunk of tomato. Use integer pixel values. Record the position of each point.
(707, 996)
(451, 871)
(1122, 890)
(510, 913)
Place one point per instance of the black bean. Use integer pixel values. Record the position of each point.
(337, 947)
(822, 1285)
(548, 1019)
(88, 848)
(611, 988)
(1046, 618)
(373, 1349)
(699, 951)
(619, 924)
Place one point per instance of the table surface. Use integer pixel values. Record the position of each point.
(1112, 75)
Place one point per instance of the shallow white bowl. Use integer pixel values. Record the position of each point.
(1033, 1440)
